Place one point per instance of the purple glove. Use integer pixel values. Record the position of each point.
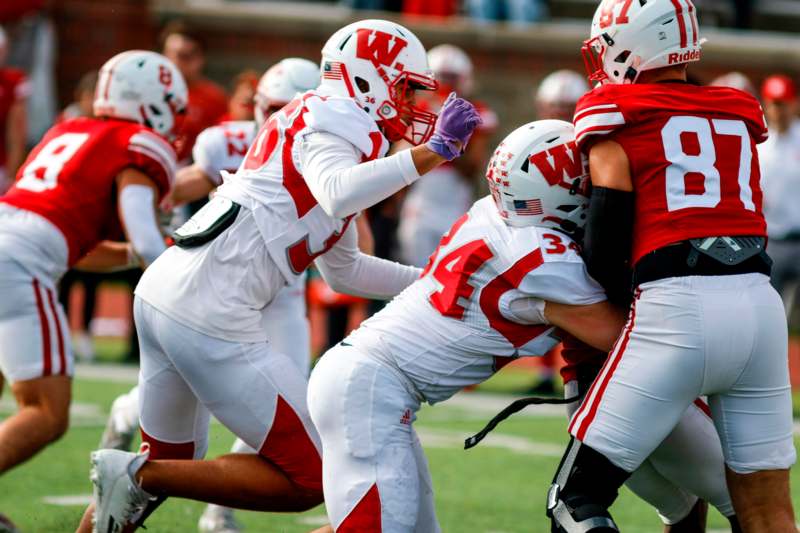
(457, 120)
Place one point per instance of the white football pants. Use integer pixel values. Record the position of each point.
(723, 337)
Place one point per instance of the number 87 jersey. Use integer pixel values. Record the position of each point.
(693, 161)
(475, 305)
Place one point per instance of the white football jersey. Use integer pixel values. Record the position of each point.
(454, 327)
(270, 180)
(279, 233)
(223, 147)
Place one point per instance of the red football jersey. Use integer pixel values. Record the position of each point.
(692, 153)
(70, 177)
(578, 354)
(14, 86)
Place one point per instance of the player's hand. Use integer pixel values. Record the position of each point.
(454, 127)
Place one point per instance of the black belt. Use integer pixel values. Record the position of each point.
(673, 261)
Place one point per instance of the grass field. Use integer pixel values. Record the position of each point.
(498, 487)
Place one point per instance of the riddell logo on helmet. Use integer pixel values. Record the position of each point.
(691, 55)
(378, 46)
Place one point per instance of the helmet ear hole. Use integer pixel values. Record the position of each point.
(362, 84)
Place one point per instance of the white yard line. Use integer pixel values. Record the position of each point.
(436, 438)
(492, 404)
(103, 372)
(69, 500)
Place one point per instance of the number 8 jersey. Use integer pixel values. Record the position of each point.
(70, 177)
(469, 312)
(692, 154)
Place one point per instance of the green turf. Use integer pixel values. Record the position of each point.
(488, 489)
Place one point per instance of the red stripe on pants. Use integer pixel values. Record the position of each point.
(62, 359)
(289, 447)
(47, 365)
(365, 516)
(603, 383)
(167, 450)
(703, 406)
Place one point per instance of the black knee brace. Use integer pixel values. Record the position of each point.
(585, 486)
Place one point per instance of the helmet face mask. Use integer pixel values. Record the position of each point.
(593, 52)
(401, 118)
(380, 65)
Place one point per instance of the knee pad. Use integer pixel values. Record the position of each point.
(585, 486)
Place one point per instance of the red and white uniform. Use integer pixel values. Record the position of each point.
(14, 86)
(671, 486)
(204, 341)
(693, 159)
(62, 205)
(467, 316)
(433, 204)
(695, 174)
(222, 148)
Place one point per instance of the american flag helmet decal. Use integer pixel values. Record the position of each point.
(332, 70)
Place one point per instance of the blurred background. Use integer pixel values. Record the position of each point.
(505, 49)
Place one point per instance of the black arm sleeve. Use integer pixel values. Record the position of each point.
(608, 239)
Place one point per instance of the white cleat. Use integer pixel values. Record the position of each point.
(123, 422)
(118, 497)
(216, 519)
(114, 438)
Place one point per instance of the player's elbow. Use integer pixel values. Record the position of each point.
(334, 208)
(340, 280)
(148, 252)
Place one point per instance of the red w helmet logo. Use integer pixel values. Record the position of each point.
(559, 163)
(379, 47)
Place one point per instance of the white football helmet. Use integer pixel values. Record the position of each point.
(629, 38)
(558, 94)
(452, 68)
(735, 80)
(380, 64)
(539, 177)
(144, 87)
(281, 83)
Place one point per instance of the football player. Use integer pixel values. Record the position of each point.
(88, 180)
(555, 99)
(504, 277)
(218, 150)
(432, 205)
(558, 93)
(780, 166)
(677, 196)
(15, 88)
(199, 307)
(507, 279)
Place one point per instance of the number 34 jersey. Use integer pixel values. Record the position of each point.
(692, 154)
(70, 177)
(462, 319)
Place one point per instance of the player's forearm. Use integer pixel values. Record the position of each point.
(369, 277)
(344, 191)
(191, 183)
(347, 270)
(598, 325)
(108, 256)
(425, 159)
(16, 133)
